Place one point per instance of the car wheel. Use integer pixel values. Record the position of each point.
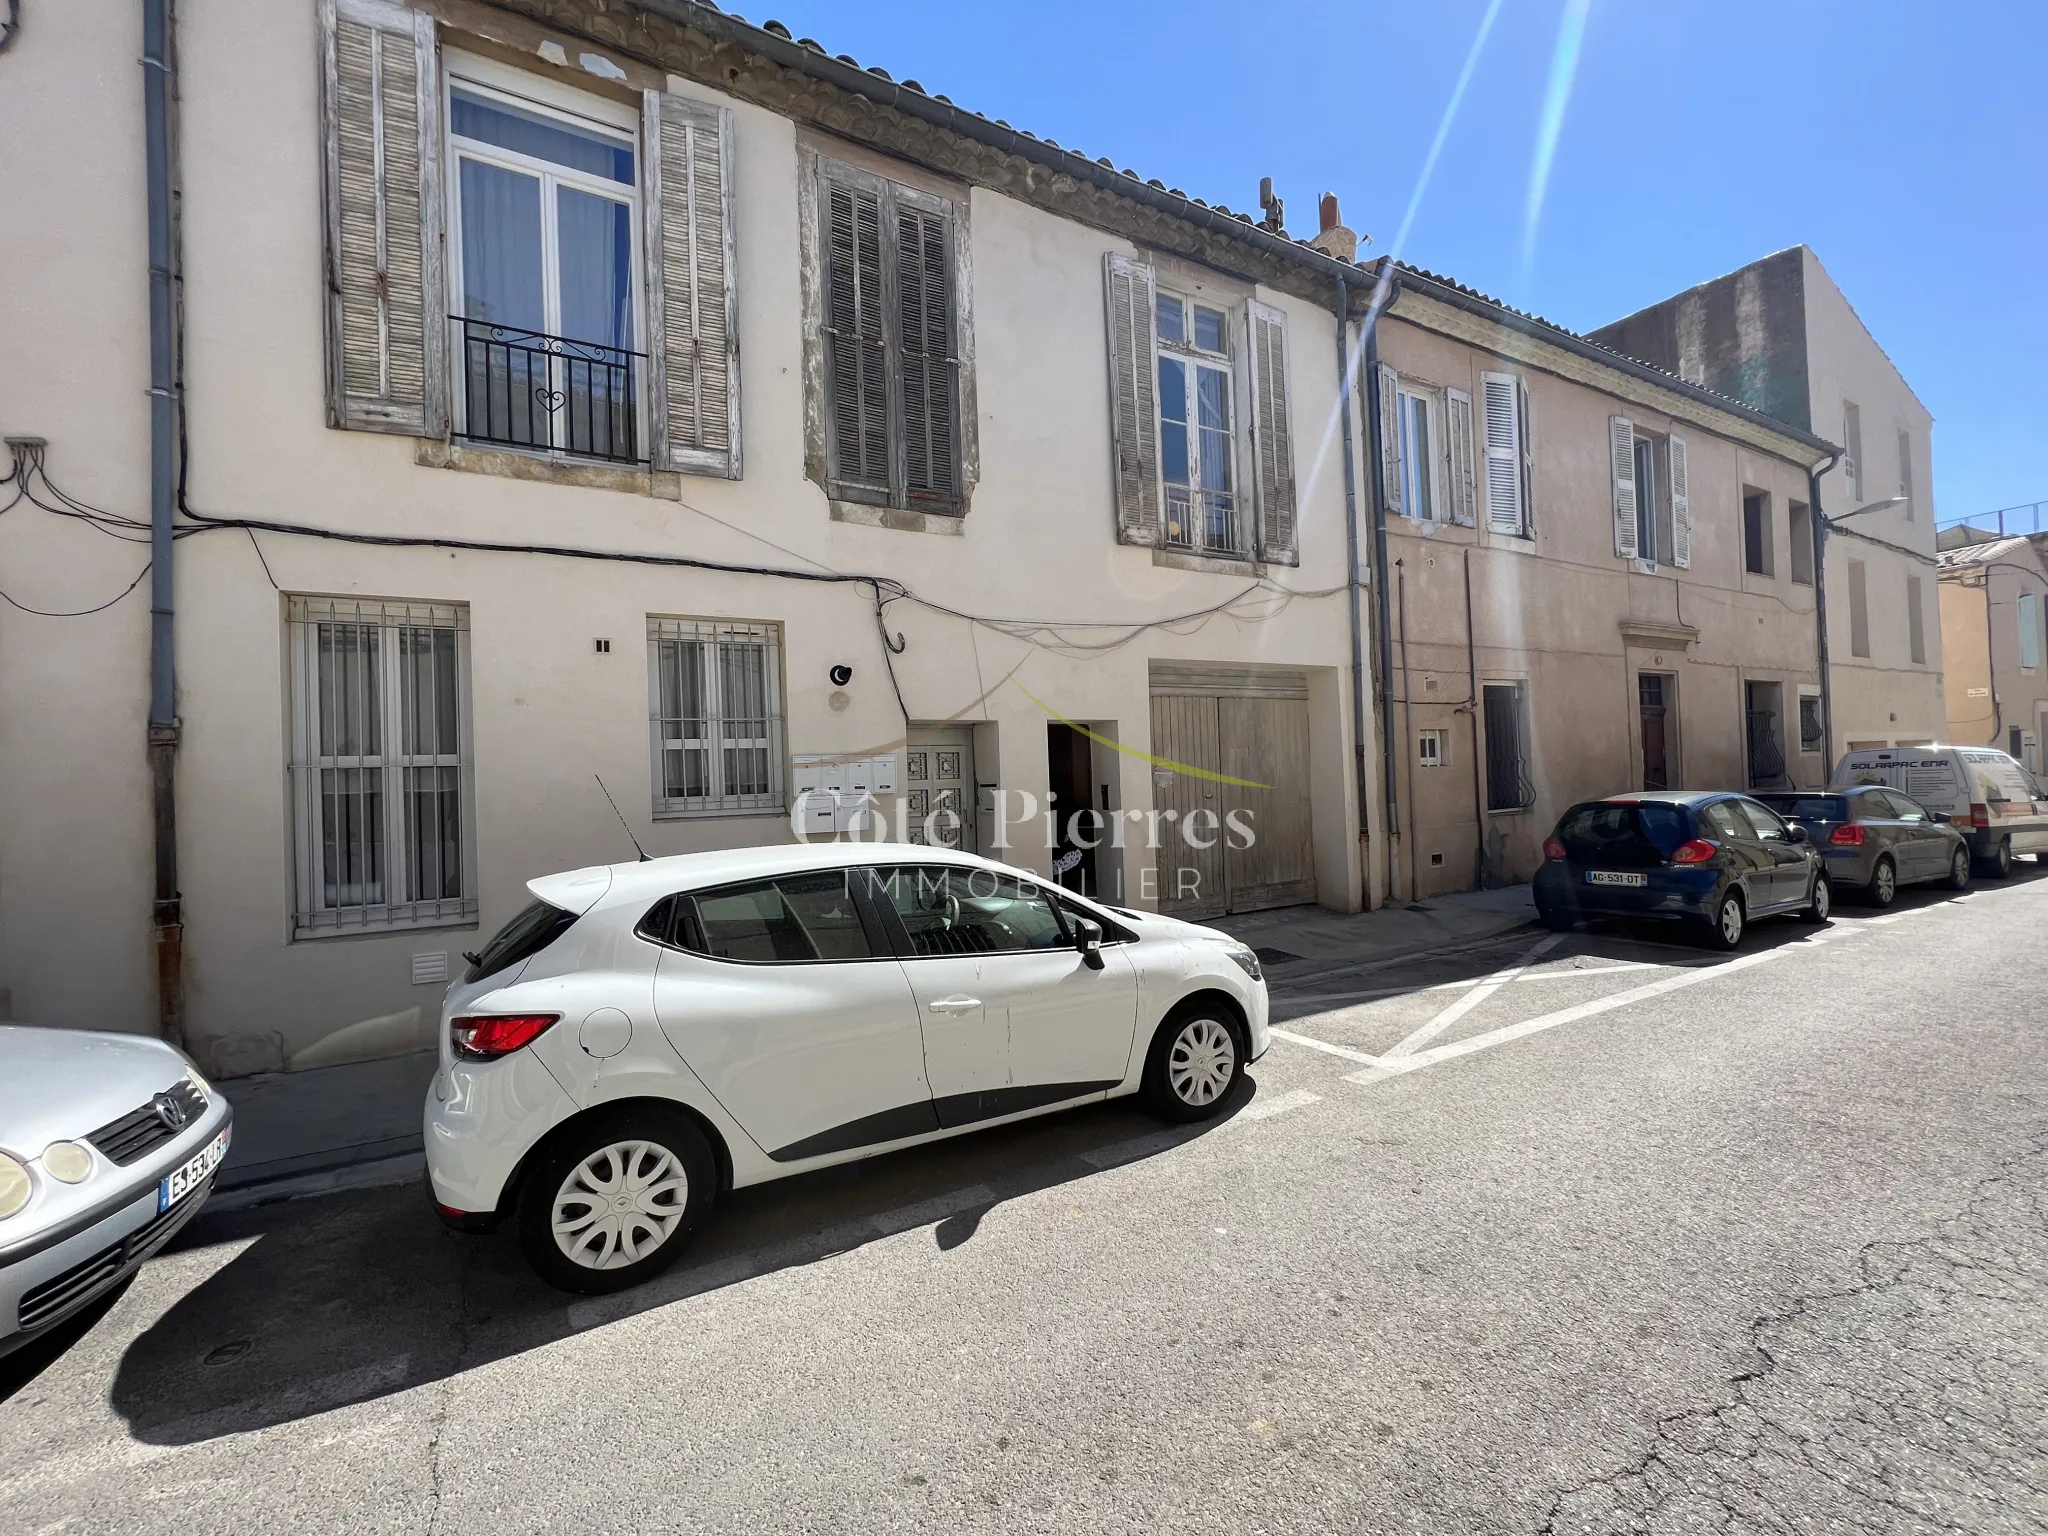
(1555, 919)
(1959, 870)
(1725, 931)
(1884, 884)
(1822, 902)
(1999, 865)
(615, 1201)
(1195, 1064)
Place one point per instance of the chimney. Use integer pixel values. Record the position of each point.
(1334, 239)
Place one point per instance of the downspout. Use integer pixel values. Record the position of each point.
(1351, 580)
(1472, 705)
(1820, 619)
(1407, 735)
(1991, 666)
(1384, 294)
(159, 96)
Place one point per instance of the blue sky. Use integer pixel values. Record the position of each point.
(1902, 142)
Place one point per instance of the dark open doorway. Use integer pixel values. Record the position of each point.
(1069, 757)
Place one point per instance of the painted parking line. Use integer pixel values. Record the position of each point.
(1394, 1066)
(1370, 994)
(1323, 1045)
(1451, 1013)
(1279, 1104)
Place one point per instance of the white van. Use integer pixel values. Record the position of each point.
(2001, 808)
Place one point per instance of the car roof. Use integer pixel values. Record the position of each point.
(1662, 797)
(579, 890)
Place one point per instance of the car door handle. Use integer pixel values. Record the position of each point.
(955, 1005)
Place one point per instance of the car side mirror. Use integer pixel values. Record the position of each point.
(1797, 833)
(1088, 940)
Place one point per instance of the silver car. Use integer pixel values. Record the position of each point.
(1873, 840)
(108, 1145)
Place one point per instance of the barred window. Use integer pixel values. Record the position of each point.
(716, 716)
(1508, 785)
(382, 778)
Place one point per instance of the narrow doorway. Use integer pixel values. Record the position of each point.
(1069, 763)
(1653, 698)
(1766, 736)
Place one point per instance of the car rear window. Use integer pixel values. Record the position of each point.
(1612, 832)
(1807, 807)
(533, 930)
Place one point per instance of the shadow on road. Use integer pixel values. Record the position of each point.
(353, 1297)
(1303, 989)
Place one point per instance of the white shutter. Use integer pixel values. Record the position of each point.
(1133, 395)
(1621, 440)
(1852, 450)
(1501, 402)
(1681, 515)
(693, 365)
(387, 329)
(1464, 493)
(1526, 430)
(1390, 440)
(1272, 437)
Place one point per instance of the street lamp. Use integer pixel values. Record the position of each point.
(1876, 506)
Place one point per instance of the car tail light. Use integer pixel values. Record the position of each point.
(1848, 835)
(1552, 848)
(1698, 851)
(485, 1037)
(1980, 814)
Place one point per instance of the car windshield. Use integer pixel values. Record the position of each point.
(1807, 807)
(1623, 832)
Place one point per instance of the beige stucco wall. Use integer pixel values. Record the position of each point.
(1887, 697)
(1989, 692)
(548, 711)
(1550, 611)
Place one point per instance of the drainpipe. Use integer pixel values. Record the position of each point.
(1351, 577)
(159, 96)
(1472, 706)
(1389, 288)
(1407, 735)
(1991, 664)
(1820, 619)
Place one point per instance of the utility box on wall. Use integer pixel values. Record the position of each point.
(831, 791)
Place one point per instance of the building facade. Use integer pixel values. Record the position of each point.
(1780, 336)
(579, 407)
(1994, 632)
(1570, 610)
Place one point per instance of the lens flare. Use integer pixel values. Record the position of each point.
(1557, 95)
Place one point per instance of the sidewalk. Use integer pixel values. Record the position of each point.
(355, 1126)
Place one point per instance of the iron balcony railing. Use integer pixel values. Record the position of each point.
(1766, 753)
(527, 389)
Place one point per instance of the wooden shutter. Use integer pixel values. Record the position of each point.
(1132, 302)
(386, 293)
(693, 339)
(856, 346)
(1463, 490)
(1525, 427)
(1681, 515)
(1273, 437)
(1621, 441)
(924, 289)
(1501, 403)
(1390, 440)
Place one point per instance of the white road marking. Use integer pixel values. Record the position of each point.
(1429, 1058)
(1323, 1045)
(1265, 1109)
(1370, 993)
(1130, 1151)
(1472, 999)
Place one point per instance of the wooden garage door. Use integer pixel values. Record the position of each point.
(1243, 725)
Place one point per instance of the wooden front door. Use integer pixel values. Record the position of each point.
(1653, 695)
(938, 779)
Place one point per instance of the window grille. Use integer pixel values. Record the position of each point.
(717, 728)
(1508, 785)
(382, 771)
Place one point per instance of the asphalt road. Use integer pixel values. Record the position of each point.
(1611, 1236)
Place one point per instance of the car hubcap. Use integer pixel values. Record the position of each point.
(1201, 1063)
(620, 1204)
(1731, 922)
(1960, 870)
(1887, 883)
(1822, 898)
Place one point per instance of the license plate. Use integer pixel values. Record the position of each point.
(183, 1181)
(1614, 877)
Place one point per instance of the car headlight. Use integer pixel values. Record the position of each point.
(67, 1162)
(1247, 962)
(14, 1186)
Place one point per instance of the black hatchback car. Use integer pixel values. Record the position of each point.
(1712, 859)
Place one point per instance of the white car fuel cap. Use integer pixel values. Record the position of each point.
(606, 1032)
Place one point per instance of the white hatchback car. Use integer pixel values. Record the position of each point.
(646, 1035)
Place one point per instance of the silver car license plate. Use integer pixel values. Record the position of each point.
(1614, 877)
(182, 1181)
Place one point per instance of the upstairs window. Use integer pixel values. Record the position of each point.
(1906, 474)
(1652, 504)
(1197, 437)
(546, 273)
(2030, 631)
(1852, 453)
(1799, 533)
(1756, 533)
(891, 357)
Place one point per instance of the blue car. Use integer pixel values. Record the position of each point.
(1711, 859)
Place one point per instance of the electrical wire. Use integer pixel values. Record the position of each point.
(45, 613)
